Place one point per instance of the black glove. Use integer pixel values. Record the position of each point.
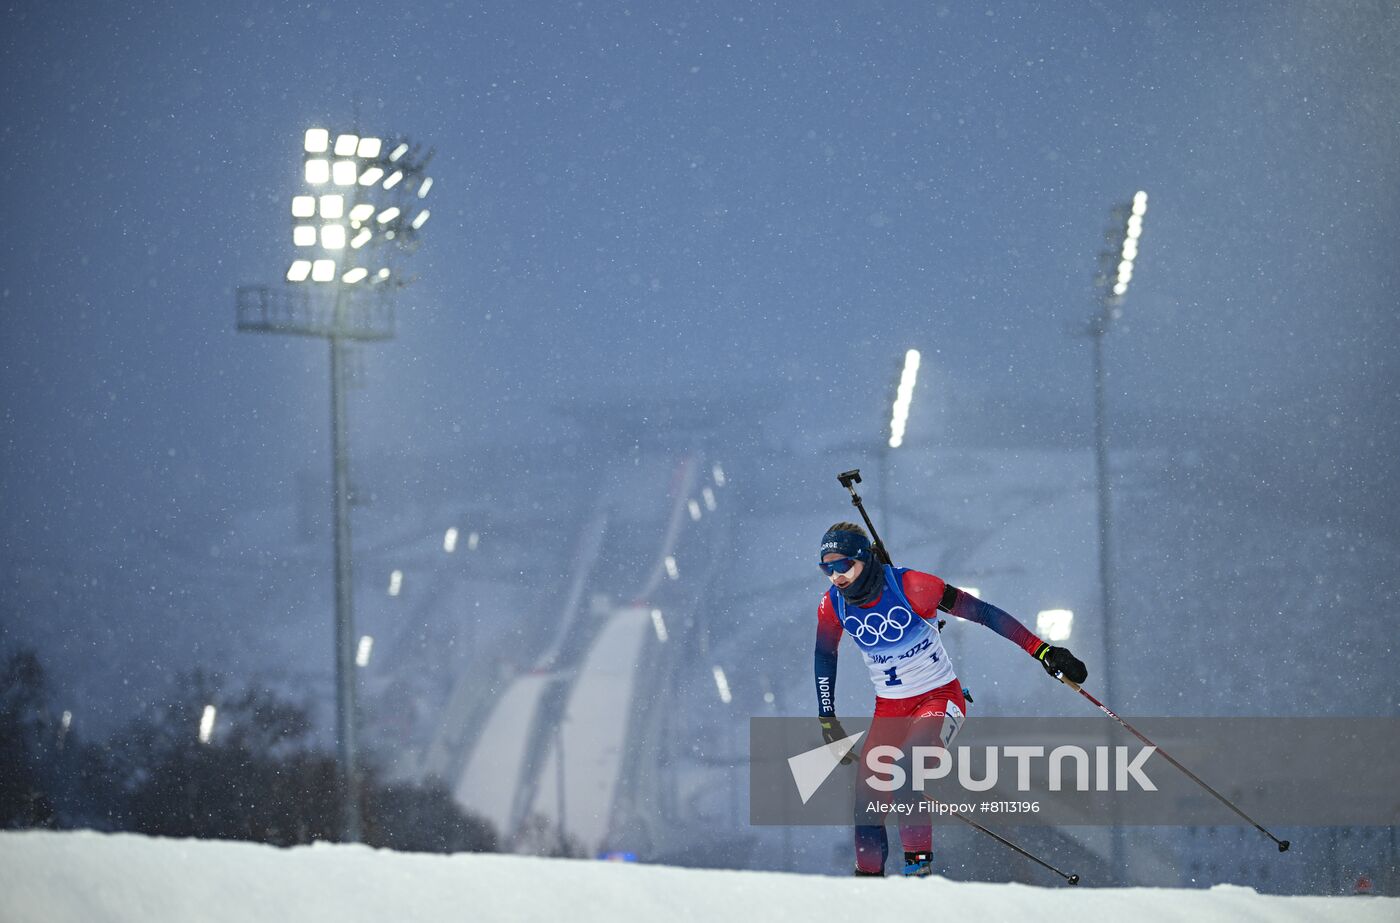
(1058, 661)
(832, 731)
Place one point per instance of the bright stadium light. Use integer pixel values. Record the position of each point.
(904, 396)
(395, 583)
(365, 197)
(344, 173)
(694, 507)
(1054, 624)
(1128, 251)
(899, 419)
(343, 295)
(658, 624)
(672, 570)
(424, 186)
(722, 685)
(206, 723)
(449, 540)
(365, 649)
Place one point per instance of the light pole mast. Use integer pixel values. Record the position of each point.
(347, 708)
(340, 288)
(1106, 600)
(1124, 236)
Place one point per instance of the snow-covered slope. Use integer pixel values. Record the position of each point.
(61, 877)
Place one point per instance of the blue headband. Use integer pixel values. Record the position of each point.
(850, 544)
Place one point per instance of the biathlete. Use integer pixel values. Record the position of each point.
(892, 614)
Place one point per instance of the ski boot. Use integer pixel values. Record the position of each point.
(861, 873)
(918, 865)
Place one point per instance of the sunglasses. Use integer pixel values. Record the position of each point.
(839, 566)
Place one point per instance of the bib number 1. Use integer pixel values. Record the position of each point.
(893, 680)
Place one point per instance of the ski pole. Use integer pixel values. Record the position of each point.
(1282, 844)
(848, 480)
(1071, 879)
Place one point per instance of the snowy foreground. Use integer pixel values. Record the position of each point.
(60, 877)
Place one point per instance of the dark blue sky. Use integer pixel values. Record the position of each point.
(729, 199)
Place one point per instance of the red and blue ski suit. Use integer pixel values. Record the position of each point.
(897, 634)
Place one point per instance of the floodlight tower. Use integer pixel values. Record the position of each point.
(899, 417)
(360, 211)
(1113, 286)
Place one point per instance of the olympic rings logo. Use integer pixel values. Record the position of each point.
(869, 630)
